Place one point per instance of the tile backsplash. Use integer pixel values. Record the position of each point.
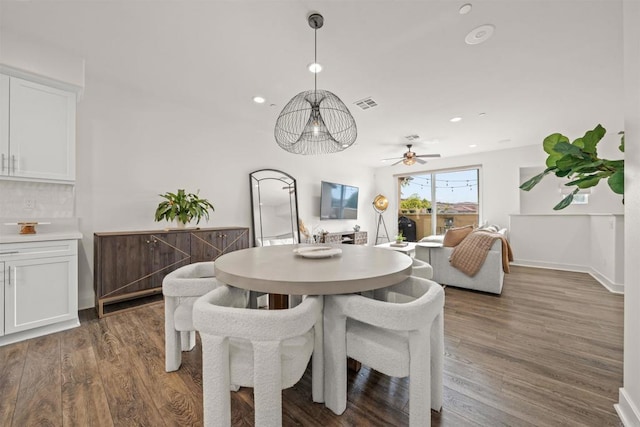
(29, 200)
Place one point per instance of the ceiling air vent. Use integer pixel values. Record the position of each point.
(366, 103)
(412, 137)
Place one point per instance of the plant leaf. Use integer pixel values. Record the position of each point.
(621, 146)
(550, 142)
(591, 138)
(587, 181)
(568, 161)
(566, 201)
(549, 145)
(616, 181)
(529, 184)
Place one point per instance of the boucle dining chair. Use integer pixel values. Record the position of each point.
(181, 288)
(421, 269)
(265, 349)
(396, 339)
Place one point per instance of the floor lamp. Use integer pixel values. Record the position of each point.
(380, 204)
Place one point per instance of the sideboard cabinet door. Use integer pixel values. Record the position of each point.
(130, 265)
(207, 245)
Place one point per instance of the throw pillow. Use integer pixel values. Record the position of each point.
(454, 236)
(433, 238)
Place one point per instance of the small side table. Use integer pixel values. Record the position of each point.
(426, 247)
(409, 249)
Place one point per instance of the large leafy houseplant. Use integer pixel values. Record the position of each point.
(579, 162)
(183, 207)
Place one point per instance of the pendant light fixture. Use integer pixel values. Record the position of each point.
(315, 121)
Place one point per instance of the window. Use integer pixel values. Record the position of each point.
(441, 200)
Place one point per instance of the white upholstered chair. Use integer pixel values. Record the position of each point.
(181, 288)
(421, 269)
(265, 349)
(397, 339)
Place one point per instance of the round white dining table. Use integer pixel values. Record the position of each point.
(279, 270)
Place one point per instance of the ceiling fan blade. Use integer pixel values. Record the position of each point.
(393, 158)
(422, 162)
(399, 161)
(428, 155)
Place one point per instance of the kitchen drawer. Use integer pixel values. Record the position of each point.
(12, 251)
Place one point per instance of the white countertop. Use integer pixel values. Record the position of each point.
(40, 237)
(48, 229)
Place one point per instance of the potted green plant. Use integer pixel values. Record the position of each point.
(399, 237)
(183, 207)
(579, 161)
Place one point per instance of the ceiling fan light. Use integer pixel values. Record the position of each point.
(409, 161)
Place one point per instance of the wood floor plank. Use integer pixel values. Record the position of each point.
(40, 396)
(171, 396)
(130, 402)
(12, 359)
(84, 402)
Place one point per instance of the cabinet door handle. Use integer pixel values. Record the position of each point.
(13, 162)
(2, 162)
(9, 271)
(9, 252)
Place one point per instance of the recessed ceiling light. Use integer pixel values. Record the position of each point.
(258, 100)
(482, 114)
(473, 145)
(480, 34)
(455, 119)
(464, 9)
(504, 141)
(314, 67)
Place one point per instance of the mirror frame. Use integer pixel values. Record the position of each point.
(295, 225)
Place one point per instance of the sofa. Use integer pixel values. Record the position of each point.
(489, 278)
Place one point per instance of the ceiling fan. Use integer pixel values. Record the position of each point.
(410, 157)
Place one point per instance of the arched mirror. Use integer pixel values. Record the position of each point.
(274, 210)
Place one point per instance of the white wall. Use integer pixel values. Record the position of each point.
(592, 243)
(629, 403)
(42, 60)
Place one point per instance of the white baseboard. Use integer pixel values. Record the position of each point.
(627, 410)
(612, 287)
(38, 332)
(615, 288)
(550, 265)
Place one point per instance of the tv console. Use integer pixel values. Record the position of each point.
(347, 237)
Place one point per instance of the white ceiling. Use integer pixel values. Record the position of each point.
(550, 65)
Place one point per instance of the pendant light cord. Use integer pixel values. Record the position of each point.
(315, 61)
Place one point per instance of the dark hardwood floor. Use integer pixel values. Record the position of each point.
(547, 352)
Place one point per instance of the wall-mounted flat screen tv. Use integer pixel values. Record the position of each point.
(338, 201)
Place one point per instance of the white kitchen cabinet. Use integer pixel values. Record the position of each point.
(1, 299)
(40, 289)
(37, 127)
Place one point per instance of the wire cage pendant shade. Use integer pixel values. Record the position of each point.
(315, 121)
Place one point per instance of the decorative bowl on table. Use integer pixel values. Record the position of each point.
(317, 251)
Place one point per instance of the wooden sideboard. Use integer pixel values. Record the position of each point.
(131, 265)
